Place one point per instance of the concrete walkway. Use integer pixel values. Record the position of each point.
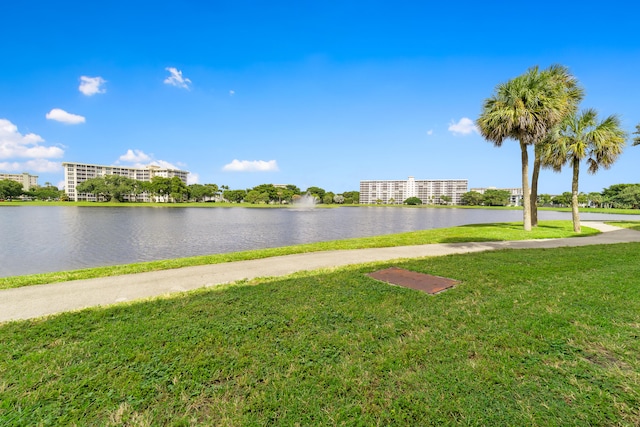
(41, 300)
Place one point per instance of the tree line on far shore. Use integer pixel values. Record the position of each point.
(116, 188)
(617, 196)
(10, 190)
(271, 194)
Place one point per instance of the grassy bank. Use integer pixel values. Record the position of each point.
(470, 233)
(633, 225)
(610, 211)
(529, 337)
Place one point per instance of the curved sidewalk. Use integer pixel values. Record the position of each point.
(41, 300)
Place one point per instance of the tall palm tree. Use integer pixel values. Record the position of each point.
(525, 109)
(571, 93)
(580, 137)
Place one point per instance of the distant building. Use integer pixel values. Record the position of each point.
(515, 197)
(75, 173)
(427, 190)
(27, 181)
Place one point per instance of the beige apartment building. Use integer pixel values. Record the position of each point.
(75, 173)
(427, 190)
(27, 181)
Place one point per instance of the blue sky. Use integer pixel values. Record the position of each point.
(309, 93)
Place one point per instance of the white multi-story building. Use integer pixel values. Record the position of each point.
(75, 173)
(515, 194)
(427, 190)
(27, 181)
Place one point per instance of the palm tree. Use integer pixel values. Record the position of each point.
(524, 109)
(636, 140)
(579, 137)
(572, 94)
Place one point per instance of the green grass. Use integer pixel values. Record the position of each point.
(634, 225)
(597, 210)
(529, 337)
(470, 233)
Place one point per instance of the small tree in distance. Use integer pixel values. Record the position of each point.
(496, 197)
(413, 201)
(445, 200)
(472, 198)
(10, 189)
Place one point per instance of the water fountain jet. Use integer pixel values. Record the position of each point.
(306, 201)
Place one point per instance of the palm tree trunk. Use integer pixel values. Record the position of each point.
(575, 213)
(534, 189)
(526, 200)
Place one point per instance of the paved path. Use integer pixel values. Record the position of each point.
(41, 300)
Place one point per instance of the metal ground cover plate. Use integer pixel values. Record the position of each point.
(411, 279)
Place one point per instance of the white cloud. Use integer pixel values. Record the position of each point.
(430, 132)
(251, 166)
(42, 165)
(176, 79)
(11, 166)
(91, 85)
(37, 165)
(62, 116)
(464, 127)
(165, 165)
(134, 156)
(193, 178)
(232, 92)
(140, 159)
(15, 145)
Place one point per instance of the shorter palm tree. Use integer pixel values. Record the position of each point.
(581, 136)
(636, 140)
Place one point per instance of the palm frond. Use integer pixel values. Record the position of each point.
(636, 140)
(528, 106)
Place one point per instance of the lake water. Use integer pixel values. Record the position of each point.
(38, 239)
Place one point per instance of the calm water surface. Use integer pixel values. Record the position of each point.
(37, 239)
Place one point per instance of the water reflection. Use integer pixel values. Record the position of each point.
(37, 239)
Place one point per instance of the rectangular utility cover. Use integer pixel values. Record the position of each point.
(411, 279)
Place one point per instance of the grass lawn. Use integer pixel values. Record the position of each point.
(529, 337)
(470, 233)
(634, 225)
